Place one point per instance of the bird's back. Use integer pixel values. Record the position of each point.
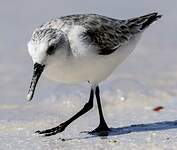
(110, 40)
(107, 34)
(102, 32)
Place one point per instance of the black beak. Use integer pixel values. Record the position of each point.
(37, 71)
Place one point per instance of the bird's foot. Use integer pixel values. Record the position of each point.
(101, 130)
(52, 131)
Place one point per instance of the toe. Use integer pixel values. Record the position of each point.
(52, 131)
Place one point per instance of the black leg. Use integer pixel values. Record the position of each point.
(63, 125)
(102, 128)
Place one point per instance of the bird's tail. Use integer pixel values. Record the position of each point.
(142, 22)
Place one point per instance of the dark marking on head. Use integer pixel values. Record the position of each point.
(51, 50)
(48, 33)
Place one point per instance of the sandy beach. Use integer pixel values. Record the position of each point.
(139, 98)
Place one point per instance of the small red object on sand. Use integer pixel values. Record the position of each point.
(158, 108)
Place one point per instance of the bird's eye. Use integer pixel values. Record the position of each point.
(51, 50)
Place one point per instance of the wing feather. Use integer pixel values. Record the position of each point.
(104, 33)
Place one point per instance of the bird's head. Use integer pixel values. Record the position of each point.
(45, 46)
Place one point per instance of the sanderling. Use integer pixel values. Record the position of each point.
(83, 47)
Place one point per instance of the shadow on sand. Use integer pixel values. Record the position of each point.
(157, 126)
(164, 125)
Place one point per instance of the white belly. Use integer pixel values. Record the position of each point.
(93, 68)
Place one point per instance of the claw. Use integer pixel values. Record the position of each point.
(38, 131)
(101, 130)
(50, 134)
(52, 131)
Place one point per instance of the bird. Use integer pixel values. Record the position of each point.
(83, 48)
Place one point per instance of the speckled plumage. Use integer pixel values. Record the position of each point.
(85, 43)
(107, 34)
(79, 48)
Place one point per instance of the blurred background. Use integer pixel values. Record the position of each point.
(156, 52)
(148, 76)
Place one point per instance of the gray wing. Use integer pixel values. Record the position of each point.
(107, 34)
(107, 38)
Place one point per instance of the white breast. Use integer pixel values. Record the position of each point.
(84, 65)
